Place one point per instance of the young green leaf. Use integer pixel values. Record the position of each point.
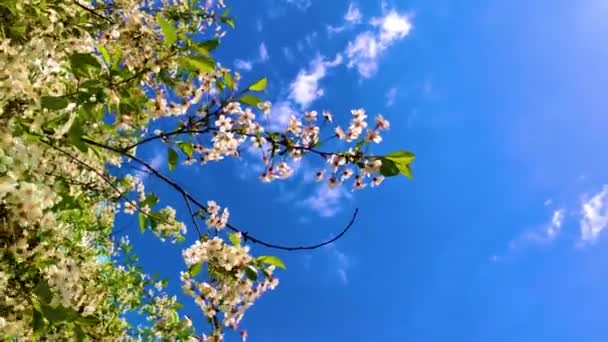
(104, 54)
(235, 239)
(229, 81)
(206, 47)
(84, 64)
(168, 30)
(228, 21)
(150, 201)
(401, 160)
(141, 218)
(172, 158)
(388, 168)
(53, 102)
(259, 85)
(401, 157)
(251, 272)
(197, 63)
(186, 147)
(251, 100)
(271, 260)
(195, 269)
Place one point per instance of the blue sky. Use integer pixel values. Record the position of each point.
(500, 235)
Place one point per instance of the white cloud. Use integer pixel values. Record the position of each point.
(325, 201)
(352, 17)
(263, 52)
(300, 4)
(258, 25)
(156, 162)
(543, 235)
(363, 53)
(243, 64)
(305, 89)
(391, 95)
(278, 119)
(366, 49)
(393, 26)
(341, 262)
(594, 218)
(353, 14)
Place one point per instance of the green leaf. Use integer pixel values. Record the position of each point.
(229, 81)
(53, 102)
(88, 320)
(209, 45)
(84, 64)
(186, 147)
(59, 313)
(43, 292)
(197, 63)
(271, 260)
(38, 322)
(401, 157)
(407, 171)
(259, 85)
(251, 100)
(172, 157)
(401, 161)
(141, 218)
(235, 239)
(168, 30)
(75, 136)
(104, 54)
(150, 201)
(80, 335)
(228, 21)
(195, 269)
(251, 272)
(388, 168)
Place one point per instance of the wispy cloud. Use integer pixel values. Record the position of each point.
(325, 201)
(340, 262)
(305, 89)
(258, 25)
(594, 216)
(352, 17)
(353, 14)
(539, 236)
(391, 95)
(365, 50)
(263, 52)
(156, 162)
(243, 64)
(280, 112)
(300, 4)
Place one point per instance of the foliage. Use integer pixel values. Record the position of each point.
(80, 83)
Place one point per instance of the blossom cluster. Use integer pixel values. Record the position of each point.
(233, 291)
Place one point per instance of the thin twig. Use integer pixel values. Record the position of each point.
(186, 195)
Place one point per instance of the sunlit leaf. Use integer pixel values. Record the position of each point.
(235, 239)
(186, 147)
(53, 102)
(251, 100)
(251, 272)
(172, 157)
(271, 260)
(195, 269)
(141, 218)
(259, 85)
(168, 30)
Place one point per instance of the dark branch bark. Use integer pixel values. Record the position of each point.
(200, 205)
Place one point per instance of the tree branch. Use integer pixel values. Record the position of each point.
(192, 199)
